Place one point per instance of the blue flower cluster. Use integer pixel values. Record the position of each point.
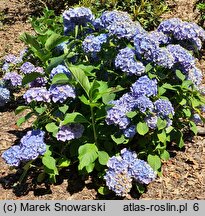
(93, 44)
(31, 146)
(125, 60)
(76, 16)
(60, 93)
(14, 78)
(4, 96)
(39, 94)
(38, 82)
(27, 68)
(69, 132)
(180, 31)
(123, 169)
(138, 98)
(59, 69)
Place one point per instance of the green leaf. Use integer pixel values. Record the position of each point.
(131, 114)
(88, 69)
(89, 168)
(180, 75)
(162, 136)
(63, 108)
(148, 68)
(20, 109)
(51, 127)
(54, 40)
(103, 157)
(119, 139)
(161, 124)
(106, 98)
(193, 127)
(168, 86)
(31, 40)
(23, 119)
(165, 155)
(74, 117)
(60, 78)
(54, 62)
(40, 110)
(103, 190)
(161, 90)
(84, 100)
(30, 77)
(183, 102)
(88, 153)
(50, 163)
(142, 128)
(187, 112)
(81, 78)
(154, 161)
(63, 162)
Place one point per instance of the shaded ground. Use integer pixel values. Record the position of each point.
(183, 175)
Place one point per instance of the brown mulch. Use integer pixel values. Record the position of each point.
(183, 175)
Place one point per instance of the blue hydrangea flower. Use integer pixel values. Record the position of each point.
(195, 75)
(151, 121)
(117, 117)
(31, 146)
(60, 93)
(182, 58)
(27, 68)
(12, 155)
(142, 172)
(5, 67)
(109, 17)
(14, 78)
(76, 16)
(163, 108)
(39, 70)
(39, 94)
(162, 38)
(126, 62)
(93, 44)
(145, 45)
(122, 29)
(69, 132)
(4, 96)
(130, 131)
(119, 182)
(163, 57)
(123, 169)
(144, 86)
(59, 69)
(143, 103)
(10, 58)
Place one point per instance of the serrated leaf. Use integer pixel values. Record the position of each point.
(161, 124)
(54, 40)
(103, 190)
(103, 157)
(20, 109)
(51, 127)
(119, 139)
(60, 78)
(30, 77)
(81, 78)
(180, 75)
(154, 161)
(74, 117)
(40, 110)
(142, 128)
(162, 136)
(63, 108)
(23, 119)
(88, 153)
(165, 155)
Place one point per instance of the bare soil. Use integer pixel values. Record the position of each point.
(183, 175)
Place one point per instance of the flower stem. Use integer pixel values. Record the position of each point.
(93, 125)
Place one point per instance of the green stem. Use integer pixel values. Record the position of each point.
(93, 125)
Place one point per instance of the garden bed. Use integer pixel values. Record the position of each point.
(183, 175)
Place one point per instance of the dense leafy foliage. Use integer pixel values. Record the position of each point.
(107, 94)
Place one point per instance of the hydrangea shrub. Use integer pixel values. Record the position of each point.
(107, 94)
